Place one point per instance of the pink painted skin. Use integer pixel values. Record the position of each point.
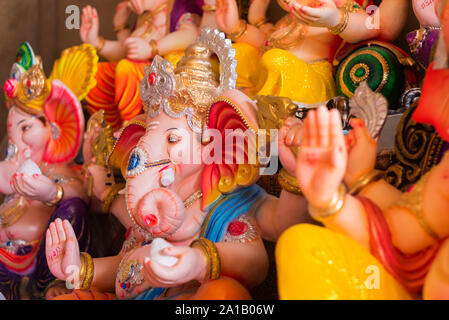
(321, 166)
(425, 12)
(129, 44)
(159, 210)
(30, 135)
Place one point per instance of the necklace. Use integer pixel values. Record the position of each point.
(190, 200)
(13, 214)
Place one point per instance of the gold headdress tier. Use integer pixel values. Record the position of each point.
(190, 89)
(28, 88)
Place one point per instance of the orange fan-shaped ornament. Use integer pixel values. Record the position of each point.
(64, 112)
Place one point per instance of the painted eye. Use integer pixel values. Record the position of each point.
(26, 128)
(173, 138)
(136, 163)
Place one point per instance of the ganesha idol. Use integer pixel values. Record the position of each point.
(292, 58)
(191, 219)
(379, 242)
(45, 127)
(163, 27)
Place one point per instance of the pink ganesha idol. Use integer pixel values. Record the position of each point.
(45, 127)
(192, 203)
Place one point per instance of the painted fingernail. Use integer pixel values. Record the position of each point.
(22, 174)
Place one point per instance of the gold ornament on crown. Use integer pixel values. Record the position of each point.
(190, 89)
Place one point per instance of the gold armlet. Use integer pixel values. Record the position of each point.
(154, 48)
(240, 32)
(334, 206)
(110, 197)
(210, 251)
(365, 180)
(341, 26)
(260, 22)
(100, 45)
(58, 197)
(412, 201)
(120, 28)
(86, 271)
(288, 182)
(209, 8)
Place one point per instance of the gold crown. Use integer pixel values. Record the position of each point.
(190, 89)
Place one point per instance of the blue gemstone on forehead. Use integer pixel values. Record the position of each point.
(134, 161)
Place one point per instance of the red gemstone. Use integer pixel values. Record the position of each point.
(152, 78)
(151, 220)
(29, 83)
(237, 228)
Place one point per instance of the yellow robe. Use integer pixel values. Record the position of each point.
(280, 73)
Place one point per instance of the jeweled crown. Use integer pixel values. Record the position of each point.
(27, 87)
(190, 89)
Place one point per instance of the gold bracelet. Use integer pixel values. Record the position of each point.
(365, 180)
(120, 28)
(288, 182)
(154, 48)
(334, 206)
(110, 197)
(58, 197)
(242, 29)
(341, 26)
(87, 266)
(209, 8)
(260, 22)
(100, 45)
(210, 250)
(82, 273)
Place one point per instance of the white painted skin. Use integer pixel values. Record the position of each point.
(29, 168)
(156, 248)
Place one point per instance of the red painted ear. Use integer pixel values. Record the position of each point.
(64, 112)
(433, 107)
(234, 111)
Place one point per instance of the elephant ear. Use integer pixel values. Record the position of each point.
(77, 68)
(63, 111)
(232, 112)
(433, 106)
(126, 142)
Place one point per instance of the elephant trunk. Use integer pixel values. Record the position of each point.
(161, 211)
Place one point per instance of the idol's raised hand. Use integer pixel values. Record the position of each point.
(62, 250)
(227, 16)
(322, 159)
(90, 26)
(324, 14)
(122, 13)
